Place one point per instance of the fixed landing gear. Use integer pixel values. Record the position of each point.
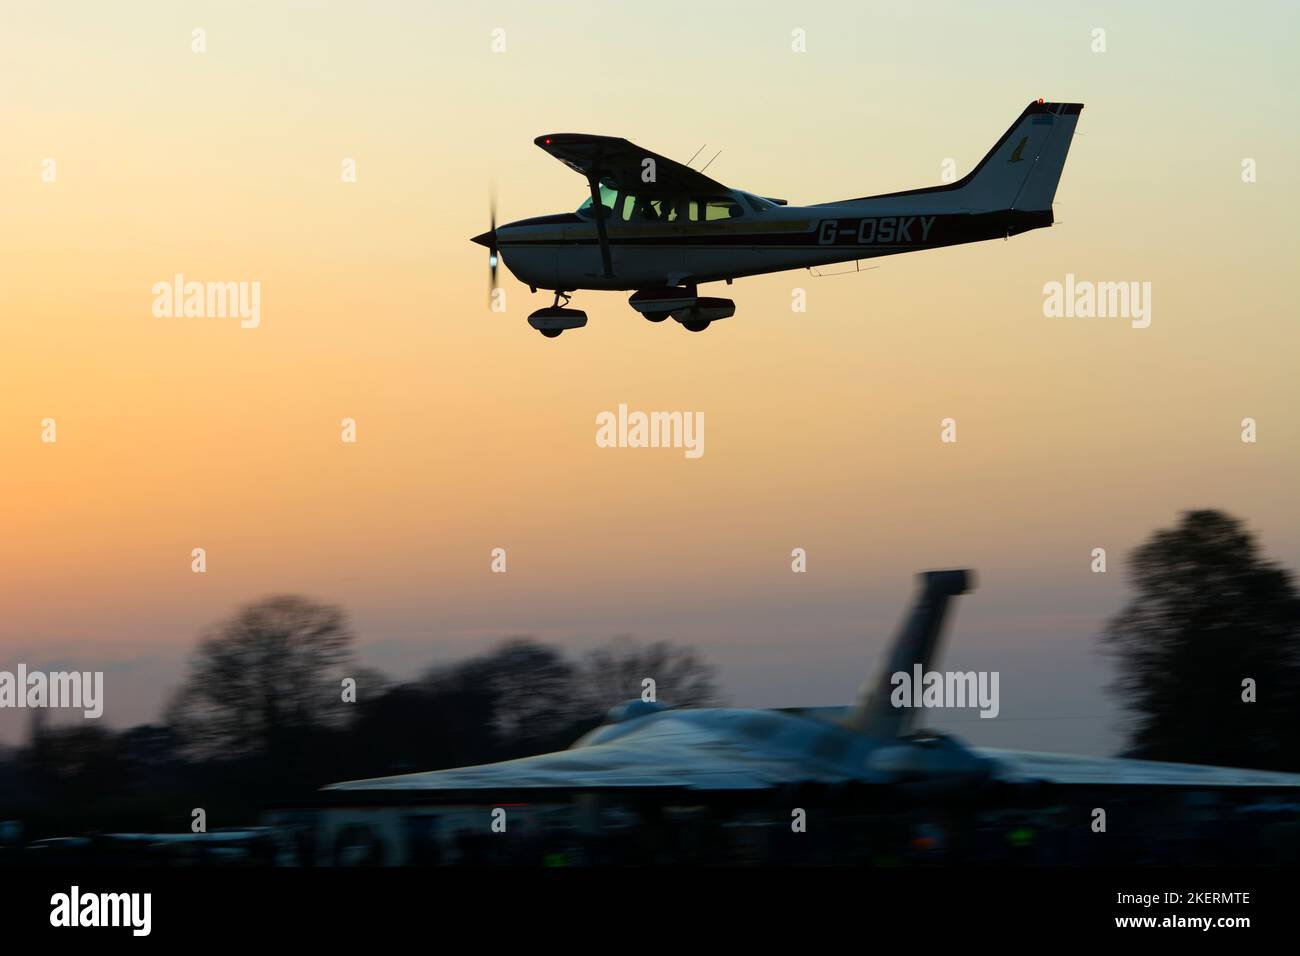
(682, 303)
(551, 322)
(692, 312)
(704, 313)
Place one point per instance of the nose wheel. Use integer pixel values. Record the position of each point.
(551, 322)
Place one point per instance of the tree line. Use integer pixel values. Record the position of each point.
(275, 704)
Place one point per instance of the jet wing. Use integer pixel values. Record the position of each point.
(665, 754)
(1069, 770)
(622, 165)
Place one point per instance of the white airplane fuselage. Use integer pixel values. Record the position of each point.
(660, 229)
(563, 251)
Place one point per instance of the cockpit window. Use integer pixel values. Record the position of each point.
(627, 207)
(630, 208)
(607, 198)
(714, 209)
(722, 209)
(646, 209)
(670, 210)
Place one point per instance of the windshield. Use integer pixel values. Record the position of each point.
(627, 207)
(607, 197)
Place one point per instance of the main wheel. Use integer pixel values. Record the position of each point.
(551, 333)
(696, 325)
(656, 316)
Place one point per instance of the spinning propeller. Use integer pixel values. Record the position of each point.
(489, 239)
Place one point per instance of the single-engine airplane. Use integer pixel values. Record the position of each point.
(647, 748)
(662, 229)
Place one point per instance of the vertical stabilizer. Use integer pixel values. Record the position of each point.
(917, 643)
(1023, 169)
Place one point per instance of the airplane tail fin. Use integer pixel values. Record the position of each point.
(1021, 171)
(917, 642)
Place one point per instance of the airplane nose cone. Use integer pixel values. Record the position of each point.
(488, 238)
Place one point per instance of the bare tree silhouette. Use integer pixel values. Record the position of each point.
(265, 678)
(614, 673)
(528, 688)
(1210, 613)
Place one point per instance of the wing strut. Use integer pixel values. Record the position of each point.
(593, 180)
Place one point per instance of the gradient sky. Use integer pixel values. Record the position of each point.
(822, 428)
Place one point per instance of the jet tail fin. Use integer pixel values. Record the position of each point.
(1022, 170)
(917, 643)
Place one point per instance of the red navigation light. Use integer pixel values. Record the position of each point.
(1040, 99)
(548, 139)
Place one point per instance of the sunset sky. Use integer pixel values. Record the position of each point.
(474, 432)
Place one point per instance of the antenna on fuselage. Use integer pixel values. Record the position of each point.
(697, 152)
(710, 162)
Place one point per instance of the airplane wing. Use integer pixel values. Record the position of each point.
(674, 755)
(665, 754)
(621, 165)
(1016, 766)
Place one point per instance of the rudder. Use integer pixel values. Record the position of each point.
(1022, 170)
